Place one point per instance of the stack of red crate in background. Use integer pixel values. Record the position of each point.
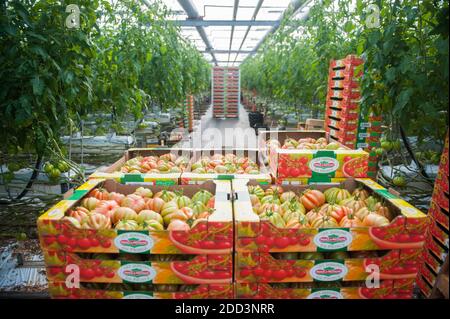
(225, 92)
(189, 113)
(344, 120)
(436, 245)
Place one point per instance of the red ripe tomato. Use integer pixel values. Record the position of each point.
(207, 244)
(305, 241)
(110, 274)
(347, 158)
(269, 241)
(49, 240)
(282, 242)
(268, 274)
(282, 171)
(258, 272)
(263, 248)
(106, 243)
(98, 271)
(61, 239)
(261, 239)
(72, 242)
(294, 172)
(94, 242)
(87, 273)
(279, 274)
(303, 160)
(84, 243)
(245, 273)
(246, 241)
(303, 170)
(300, 273)
(223, 245)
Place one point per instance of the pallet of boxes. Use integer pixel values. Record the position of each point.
(133, 232)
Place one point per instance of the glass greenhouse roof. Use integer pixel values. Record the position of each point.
(227, 31)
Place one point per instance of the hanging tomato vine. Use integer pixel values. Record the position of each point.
(405, 71)
(122, 58)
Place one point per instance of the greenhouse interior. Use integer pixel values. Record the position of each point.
(232, 149)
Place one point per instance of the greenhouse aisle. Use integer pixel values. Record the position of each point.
(233, 132)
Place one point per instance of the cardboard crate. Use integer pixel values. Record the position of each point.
(342, 113)
(51, 225)
(345, 103)
(433, 245)
(59, 290)
(345, 82)
(425, 287)
(113, 171)
(318, 166)
(189, 177)
(353, 94)
(434, 263)
(165, 269)
(409, 224)
(388, 289)
(264, 267)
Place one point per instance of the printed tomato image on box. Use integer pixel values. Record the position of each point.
(135, 268)
(296, 157)
(357, 214)
(326, 267)
(60, 290)
(388, 289)
(105, 216)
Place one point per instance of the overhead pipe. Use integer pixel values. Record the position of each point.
(192, 13)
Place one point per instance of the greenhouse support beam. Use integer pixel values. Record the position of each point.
(226, 51)
(235, 9)
(225, 23)
(295, 5)
(255, 14)
(192, 13)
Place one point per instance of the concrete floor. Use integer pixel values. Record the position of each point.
(217, 133)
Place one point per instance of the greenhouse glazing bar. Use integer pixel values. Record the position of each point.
(192, 13)
(225, 23)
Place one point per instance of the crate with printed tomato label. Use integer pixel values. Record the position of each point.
(344, 103)
(342, 113)
(352, 94)
(440, 233)
(104, 216)
(343, 83)
(348, 61)
(434, 263)
(225, 164)
(355, 215)
(152, 166)
(60, 290)
(439, 215)
(387, 289)
(342, 124)
(140, 268)
(305, 157)
(427, 273)
(439, 250)
(425, 287)
(326, 266)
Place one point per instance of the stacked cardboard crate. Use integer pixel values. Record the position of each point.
(98, 261)
(344, 120)
(304, 262)
(305, 166)
(225, 92)
(432, 270)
